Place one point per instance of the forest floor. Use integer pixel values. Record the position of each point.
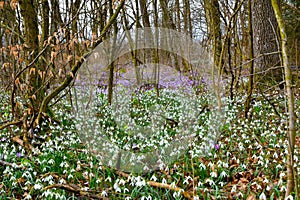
(246, 161)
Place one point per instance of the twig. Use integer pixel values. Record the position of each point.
(19, 122)
(272, 104)
(4, 163)
(186, 194)
(21, 142)
(75, 189)
(76, 67)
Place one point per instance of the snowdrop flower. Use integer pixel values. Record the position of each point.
(209, 181)
(186, 181)
(262, 196)
(108, 179)
(223, 174)
(213, 174)
(117, 188)
(51, 161)
(233, 189)
(84, 189)
(140, 182)
(38, 186)
(126, 190)
(153, 178)
(290, 197)
(103, 194)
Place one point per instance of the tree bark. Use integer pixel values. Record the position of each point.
(264, 28)
(292, 185)
(251, 64)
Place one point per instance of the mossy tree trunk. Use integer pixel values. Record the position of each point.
(292, 185)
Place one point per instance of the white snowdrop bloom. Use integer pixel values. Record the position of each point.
(126, 190)
(186, 180)
(62, 164)
(176, 194)
(223, 174)
(84, 189)
(290, 197)
(164, 181)
(37, 186)
(51, 161)
(202, 166)
(266, 180)
(233, 189)
(127, 198)
(196, 197)
(153, 178)
(282, 174)
(213, 174)
(262, 196)
(210, 164)
(140, 182)
(282, 188)
(103, 194)
(122, 182)
(173, 185)
(62, 181)
(268, 188)
(28, 196)
(210, 182)
(70, 176)
(117, 188)
(108, 179)
(200, 184)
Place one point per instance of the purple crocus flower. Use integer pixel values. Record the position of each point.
(217, 146)
(18, 154)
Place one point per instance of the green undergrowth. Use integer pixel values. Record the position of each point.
(248, 159)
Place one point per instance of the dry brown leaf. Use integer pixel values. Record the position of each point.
(71, 74)
(1, 5)
(13, 4)
(17, 81)
(32, 71)
(60, 72)
(53, 55)
(41, 73)
(251, 197)
(70, 57)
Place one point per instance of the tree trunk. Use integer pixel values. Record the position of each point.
(251, 66)
(292, 185)
(264, 28)
(214, 28)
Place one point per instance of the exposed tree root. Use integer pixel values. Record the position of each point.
(186, 194)
(74, 189)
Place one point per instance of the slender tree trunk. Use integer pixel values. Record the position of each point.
(112, 56)
(251, 66)
(292, 185)
(214, 28)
